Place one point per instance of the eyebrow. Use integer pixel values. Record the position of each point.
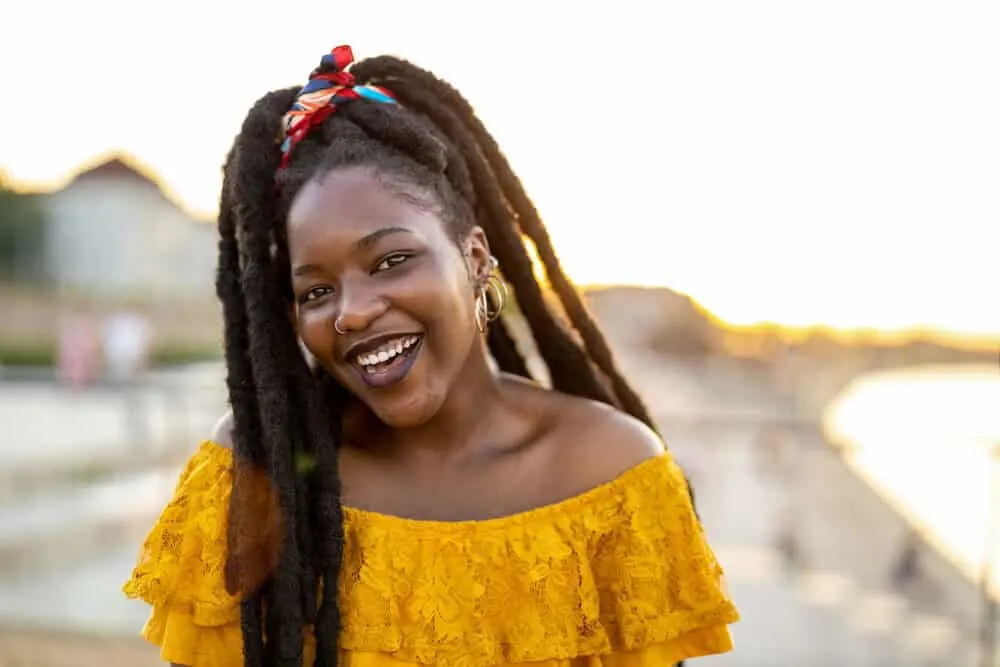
(379, 234)
(361, 244)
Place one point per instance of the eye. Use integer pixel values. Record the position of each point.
(392, 260)
(313, 294)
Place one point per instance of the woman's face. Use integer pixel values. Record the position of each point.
(402, 289)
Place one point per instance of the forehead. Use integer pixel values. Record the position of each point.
(347, 204)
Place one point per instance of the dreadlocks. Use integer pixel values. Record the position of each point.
(433, 149)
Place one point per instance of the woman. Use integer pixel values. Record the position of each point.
(468, 514)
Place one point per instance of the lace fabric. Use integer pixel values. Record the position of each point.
(620, 574)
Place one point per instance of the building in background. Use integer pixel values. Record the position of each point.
(113, 231)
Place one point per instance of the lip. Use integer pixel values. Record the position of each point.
(390, 376)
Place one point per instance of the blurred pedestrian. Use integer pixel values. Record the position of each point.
(78, 349)
(127, 338)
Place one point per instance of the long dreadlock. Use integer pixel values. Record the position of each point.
(287, 421)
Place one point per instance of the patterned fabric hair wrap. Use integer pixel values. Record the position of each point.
(330, 85)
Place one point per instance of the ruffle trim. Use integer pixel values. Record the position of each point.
(182, 561)
(620, 568)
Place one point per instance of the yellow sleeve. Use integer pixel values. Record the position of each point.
(664, 595)
(180, 571)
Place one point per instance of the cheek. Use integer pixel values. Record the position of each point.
(454, 312)
(316, 333)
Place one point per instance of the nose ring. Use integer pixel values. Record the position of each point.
(336, 327)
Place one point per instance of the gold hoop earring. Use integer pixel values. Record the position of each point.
(495, 290)
(482, 310)
(499, 292)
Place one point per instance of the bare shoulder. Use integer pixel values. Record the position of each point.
(222, 434)
(603, 439)
(591, 443)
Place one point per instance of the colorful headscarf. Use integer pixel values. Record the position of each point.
(330, 85)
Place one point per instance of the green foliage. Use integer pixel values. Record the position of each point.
(27, 353)
(178, 354)
(22, 235)
(44, 353)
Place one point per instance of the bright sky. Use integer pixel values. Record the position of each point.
(800, 162)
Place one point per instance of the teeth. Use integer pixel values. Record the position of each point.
(387, 351)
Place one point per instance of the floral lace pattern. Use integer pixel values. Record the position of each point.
(182, 562)
(620, 568)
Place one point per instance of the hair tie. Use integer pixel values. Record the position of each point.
(330, 85)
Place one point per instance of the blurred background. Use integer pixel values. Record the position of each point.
(785, 215)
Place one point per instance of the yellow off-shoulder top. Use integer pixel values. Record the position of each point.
(620, 576)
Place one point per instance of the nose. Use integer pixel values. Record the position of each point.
(359, 306)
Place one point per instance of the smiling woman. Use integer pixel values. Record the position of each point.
(397, 499)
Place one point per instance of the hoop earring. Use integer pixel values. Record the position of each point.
(499, 293)
(492, 290)
(482, 310)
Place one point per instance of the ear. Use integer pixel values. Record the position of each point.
(476, 251)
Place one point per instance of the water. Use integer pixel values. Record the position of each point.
(928, 440)
(47, 425)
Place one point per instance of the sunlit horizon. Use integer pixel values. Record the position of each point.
(780, 163)
(731, 315)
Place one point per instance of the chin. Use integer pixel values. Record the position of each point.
(406, 412)
(401, 397)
